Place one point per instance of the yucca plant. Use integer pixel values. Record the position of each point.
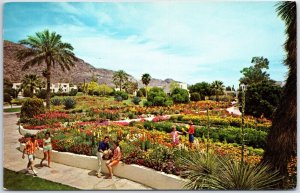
(200, 167)
(55, 101)
(234, 175)
(69, 103)
(211, 171)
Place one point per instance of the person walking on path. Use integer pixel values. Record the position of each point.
(47, 148)
(191, 134)
(175, 136)
(102, 147)
(114, 160)
(30, 148)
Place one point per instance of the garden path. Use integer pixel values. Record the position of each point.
(234, 110)
(76, 177)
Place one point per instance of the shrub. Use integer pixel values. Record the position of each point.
(42, 94)
(7, 98)
(121, 94)
(136, 100)
(139, 93)
(195, 96)
(55, 101)
(118, 98)
(31, 107)
(168, 102)
(69, 103)
(180, 95)
(157, 97)
(73, 92)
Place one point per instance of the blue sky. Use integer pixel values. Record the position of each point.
(187, 41)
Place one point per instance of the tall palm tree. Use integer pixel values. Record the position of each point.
(30, 81)
(281, 141)
(46, 48)
(217, 88)
(146, 78)
(119, 78)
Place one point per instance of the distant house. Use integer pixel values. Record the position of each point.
(280, 83)
(63, 87)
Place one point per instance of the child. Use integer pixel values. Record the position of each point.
(47, 147)
(175, 136)
(30, 148)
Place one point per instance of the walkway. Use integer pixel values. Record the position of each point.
(76, 177)
(234, 110)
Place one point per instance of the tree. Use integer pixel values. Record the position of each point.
(46, 47)
(180, 95)
(146, 78)
(30, 82)
(130, 87)
(203, 88)
(217, 88)
(262, 99)
(174, 85)
(92, 87)
(281, 142)
(105, 90)
(119, 78)
(157, 97)
(255, 74)
(228, 88)
(232, 88)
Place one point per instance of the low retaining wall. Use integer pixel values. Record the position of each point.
(140, 174)
(23, 131)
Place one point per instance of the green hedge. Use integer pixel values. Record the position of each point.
(254, 138)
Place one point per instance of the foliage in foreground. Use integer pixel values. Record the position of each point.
(210, 171)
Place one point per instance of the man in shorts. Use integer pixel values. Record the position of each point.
(30, 149)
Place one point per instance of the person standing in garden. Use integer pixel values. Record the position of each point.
(103, 147)
(47, 147)
(30, 148)
(114, 160)
(191, 134)
(175, 136)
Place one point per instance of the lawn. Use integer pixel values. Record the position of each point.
(19, 181)
(12, 110)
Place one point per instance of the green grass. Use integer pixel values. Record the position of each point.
(12, 110)
(19, 181)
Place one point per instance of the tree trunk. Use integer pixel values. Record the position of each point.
(48, 75)
(146, 92)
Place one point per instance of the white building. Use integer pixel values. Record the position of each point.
(183, 85)
(64, 87)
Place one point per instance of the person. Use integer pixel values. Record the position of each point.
(175, 136)
(30, 149)
(191, 134)
(47, 147)
(103, 146)
(114, 160)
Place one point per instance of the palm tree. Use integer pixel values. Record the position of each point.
(146, 78)
(119, 78)
(281, 142)
(46, 48)
(217, 88)
(30, 81)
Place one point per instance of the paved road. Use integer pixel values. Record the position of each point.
(76, 177)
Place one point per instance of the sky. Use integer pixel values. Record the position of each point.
(187, 41)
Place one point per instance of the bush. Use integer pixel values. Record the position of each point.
(136, 100)
(42, 94)
(157, 97)
(73, 92)
(122, 94)
(55, 101)
(118, 98)
(168, 102)
(7, 98)
(139, 93)
(31, 107)
(262, 99)
(180, 95)
(195, 96)
(69, 103)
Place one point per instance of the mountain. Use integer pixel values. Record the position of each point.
(81, 71)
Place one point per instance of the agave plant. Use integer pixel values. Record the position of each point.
(210, 171)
